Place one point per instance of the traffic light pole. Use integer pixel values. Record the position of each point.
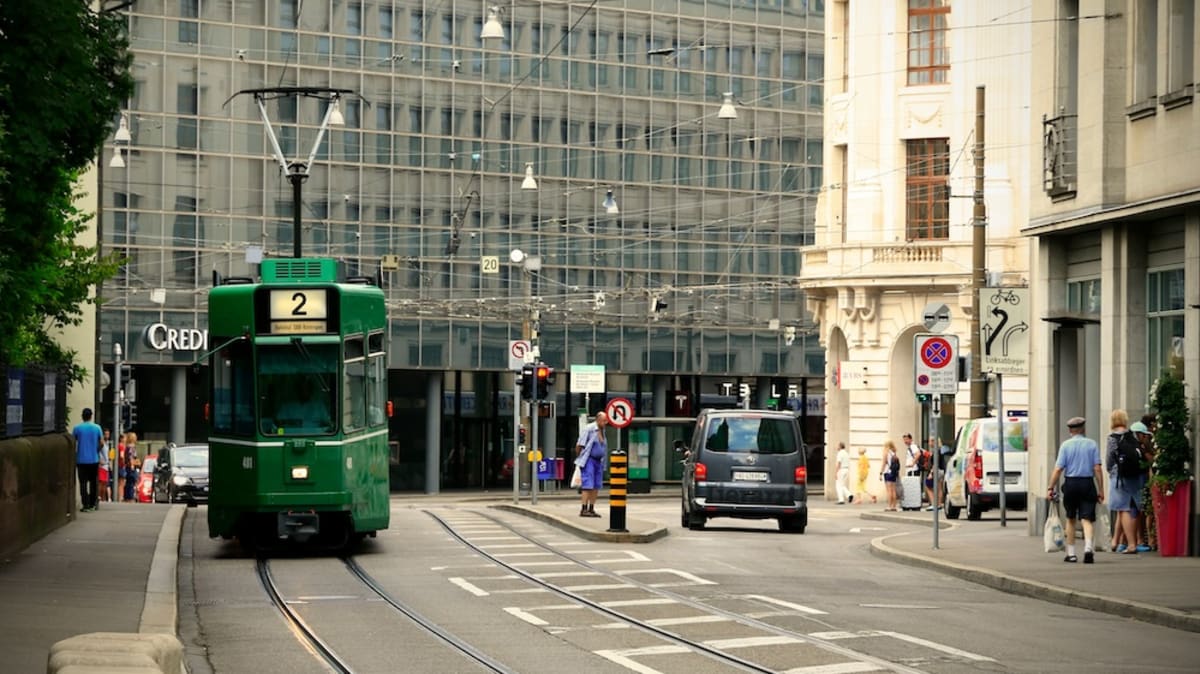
(535, 410)
(516, 469)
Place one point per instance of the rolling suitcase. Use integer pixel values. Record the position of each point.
(910, 496)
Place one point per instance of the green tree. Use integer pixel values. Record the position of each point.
(1172, 463)
(64, 75)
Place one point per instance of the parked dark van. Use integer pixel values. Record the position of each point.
(749, 464)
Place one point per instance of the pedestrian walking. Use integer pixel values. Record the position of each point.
(842, 476)
(591, 452)
(133, 466)
(864, 474)
(889, 472)
(103, 473)
(1078, 464)
(1125, 485)
(88, 438)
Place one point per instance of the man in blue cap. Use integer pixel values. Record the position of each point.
(88, 438)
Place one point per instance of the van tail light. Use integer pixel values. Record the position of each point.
(207, 411)
(977, 464)
(701, 472)
(801, 475)
(390, 410)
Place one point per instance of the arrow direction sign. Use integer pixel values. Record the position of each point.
(1004, 329)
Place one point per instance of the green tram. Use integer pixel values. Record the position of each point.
(298, 432)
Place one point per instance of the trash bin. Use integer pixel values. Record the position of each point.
(559, 468)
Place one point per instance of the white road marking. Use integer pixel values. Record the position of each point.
(692, 578)
(469, 587)
(476, 539)
(563, 562)
(938, 647)
(785, 604)
(625, 658)
(752, 642)
(903, 606)
(327, 597)
(526, 616)
(859, 530)
(508, 545)
(839, 668)
(834, 636)
(587, 588)
(506, 555)
(489, 565)
(568, 574)
(527, 590)
(689, 620)
(637, 602)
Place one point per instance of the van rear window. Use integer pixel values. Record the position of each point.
(751, 434)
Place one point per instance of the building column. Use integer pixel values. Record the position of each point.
(660, 453)
(179, 403)
(433, 437)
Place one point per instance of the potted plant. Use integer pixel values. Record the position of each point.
(1171, 473)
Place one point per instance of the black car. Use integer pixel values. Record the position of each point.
(747, 464)
(181, 474)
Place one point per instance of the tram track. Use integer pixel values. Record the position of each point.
(312, 641)
(676, 638)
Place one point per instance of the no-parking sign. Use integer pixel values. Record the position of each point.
(935, 363)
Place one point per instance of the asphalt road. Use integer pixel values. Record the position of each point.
(785, 602)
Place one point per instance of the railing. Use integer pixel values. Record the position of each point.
(35, 401)
(909, 253)
(1059, 154)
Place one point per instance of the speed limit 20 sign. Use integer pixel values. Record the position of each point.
(935, 363)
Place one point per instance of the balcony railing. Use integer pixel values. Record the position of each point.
(1059, 155)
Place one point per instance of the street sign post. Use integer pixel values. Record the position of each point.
(1004, 330)
(935, 364)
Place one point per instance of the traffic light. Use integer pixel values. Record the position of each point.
(132, 416)
(527, 376)
(545, 379)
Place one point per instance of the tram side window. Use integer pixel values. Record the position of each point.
(376, 381)
(233, 390)
(354, 386)
(377, 390)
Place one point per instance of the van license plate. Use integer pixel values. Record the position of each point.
(750, 476)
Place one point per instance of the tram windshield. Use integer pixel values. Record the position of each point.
(296, 384)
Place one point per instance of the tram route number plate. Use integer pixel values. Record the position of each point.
(298, 310)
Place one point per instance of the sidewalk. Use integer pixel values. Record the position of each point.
(1160, 590)
(112, 570)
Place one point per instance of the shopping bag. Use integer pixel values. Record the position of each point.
(576, 478)
(1053, 536)
(1102, 530)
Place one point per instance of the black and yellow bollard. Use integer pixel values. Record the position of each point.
(618, 482)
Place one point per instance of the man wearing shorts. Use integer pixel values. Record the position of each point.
(1079, 466)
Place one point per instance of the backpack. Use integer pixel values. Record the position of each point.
(924, 459)
(1128, 456)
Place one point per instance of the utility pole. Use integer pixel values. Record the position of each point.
(978, 265)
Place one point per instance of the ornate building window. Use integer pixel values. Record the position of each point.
(928, 53)
(927, 188)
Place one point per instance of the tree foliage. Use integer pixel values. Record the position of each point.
(1168, 400)
(64, 75)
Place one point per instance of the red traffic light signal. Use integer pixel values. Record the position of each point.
(545, 377)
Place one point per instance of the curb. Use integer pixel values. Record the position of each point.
(160, 609)
(1037, 590)
(586, 534)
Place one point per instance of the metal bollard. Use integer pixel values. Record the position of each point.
(619, 477)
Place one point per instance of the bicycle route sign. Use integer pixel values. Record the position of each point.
(935, 363)
(1004, 330)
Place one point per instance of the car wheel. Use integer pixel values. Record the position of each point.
(974, 510)
(952, 511)
(794, 525)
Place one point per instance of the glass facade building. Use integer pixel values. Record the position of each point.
(692, 277)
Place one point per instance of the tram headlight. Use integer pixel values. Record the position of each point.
(299, 472)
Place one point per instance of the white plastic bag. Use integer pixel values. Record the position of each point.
(1053, 535)
(1102, 529)
(576, 478)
